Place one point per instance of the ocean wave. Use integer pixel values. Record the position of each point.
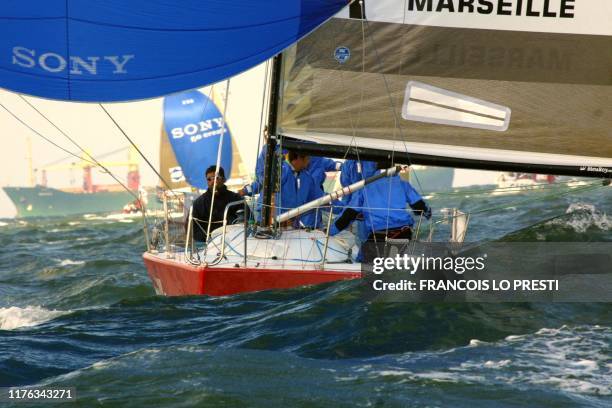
(558, 366)
(571, 359)
(582, 216)
(15, 317)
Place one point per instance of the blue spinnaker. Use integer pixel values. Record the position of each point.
(113, 50)
(194, 126)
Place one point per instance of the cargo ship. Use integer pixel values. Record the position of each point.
(39, 200)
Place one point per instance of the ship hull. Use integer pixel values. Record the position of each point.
(49, 202)
(175, 277)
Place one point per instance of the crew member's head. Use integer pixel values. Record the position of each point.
(210, 176)
(299, 161)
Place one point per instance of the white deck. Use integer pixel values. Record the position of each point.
(293, 250)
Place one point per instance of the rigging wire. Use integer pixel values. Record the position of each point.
(93, 160)
(263, 109)
(354, 126)
(218, 164)
(68, 157)
(54, 162)
(43, 136)
(391, 103)
(135, 147)
(261, 134)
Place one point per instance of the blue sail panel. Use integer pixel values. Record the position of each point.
(194, 126)
(113, 50)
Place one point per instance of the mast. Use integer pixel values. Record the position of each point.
(268, 186)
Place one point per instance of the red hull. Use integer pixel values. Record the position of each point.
(174, 278)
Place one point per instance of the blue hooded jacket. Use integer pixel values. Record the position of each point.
(297, 188)
(382, 205)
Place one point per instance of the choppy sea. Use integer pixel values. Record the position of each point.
(78, 310)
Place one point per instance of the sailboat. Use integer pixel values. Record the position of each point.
(190, 139)
(341, 92)
(519, 87)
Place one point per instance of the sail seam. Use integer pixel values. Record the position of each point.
(211, 29)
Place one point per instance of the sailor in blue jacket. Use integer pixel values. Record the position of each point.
(297, 188)
(353, 171)
(317, 167)
(255, 186)
(383, 207)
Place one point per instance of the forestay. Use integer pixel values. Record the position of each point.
(112, 50)
(485, 84)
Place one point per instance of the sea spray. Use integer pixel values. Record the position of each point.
(15, 317)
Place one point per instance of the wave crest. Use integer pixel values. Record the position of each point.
(15, 317)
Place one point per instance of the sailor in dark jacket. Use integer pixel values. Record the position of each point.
(201, 206)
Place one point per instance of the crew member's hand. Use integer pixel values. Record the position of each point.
(246, 190)
(427, 213)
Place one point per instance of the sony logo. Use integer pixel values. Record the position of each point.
(53, 62)
(558, 8)
(193, 128)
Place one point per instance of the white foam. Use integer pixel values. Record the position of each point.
(440, 376)
(476, 343)
(583, 216)
(190, 349)
(98, 365)
(348, 378)
(385, 373)
(514, 337)
(3, 224)
(575, 385)
(497, 364)
(68, 262)
(15, 317)
(586, 365)
(549, 332)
